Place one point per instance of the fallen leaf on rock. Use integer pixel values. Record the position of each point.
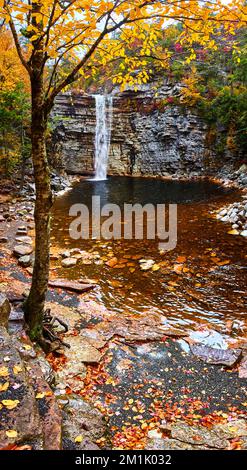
(112, 262)
(11, 433)
(115, 283)
(173, 283)
(178, 268)
(17, 369)
(4, 371)
(180, 259)
(155, 267)
(40, 395)
(79, 439)
(224, 263)
(111, 381)
(4, 387)
(10, 404)
(186, 270)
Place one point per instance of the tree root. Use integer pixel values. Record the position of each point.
(50, 339)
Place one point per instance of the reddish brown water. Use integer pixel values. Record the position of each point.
(202, 279)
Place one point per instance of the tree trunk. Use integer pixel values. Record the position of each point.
(34, 305)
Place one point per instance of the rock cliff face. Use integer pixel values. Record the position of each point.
(146, 140)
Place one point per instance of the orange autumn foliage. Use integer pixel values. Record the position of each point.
(12, 71)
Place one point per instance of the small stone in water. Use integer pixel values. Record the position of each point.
(22, 250)
(25, 261)
(244, 233)
(69, 262)
(66, 254)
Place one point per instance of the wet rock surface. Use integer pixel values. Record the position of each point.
(186, 437)
(29, 412)
(4, 310)
(71, 285)
(83, 425)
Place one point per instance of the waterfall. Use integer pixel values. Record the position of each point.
(103, 104)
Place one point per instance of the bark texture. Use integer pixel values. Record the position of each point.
(34, 306)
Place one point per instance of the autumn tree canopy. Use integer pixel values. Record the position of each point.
(88, 34)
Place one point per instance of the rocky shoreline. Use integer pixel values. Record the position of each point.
(236, 215)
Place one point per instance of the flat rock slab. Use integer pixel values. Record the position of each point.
(28, 406)
(24, 239)
(24, 417)
(22, 250)
(4, 310)
(227, 357)
(231, 429)
(83, 350)
(198, 435)
(217, 437)
(145, 328)
(171, 444)
(82, 423)
(80, 353)
(48, 408)
(93, 337)
(71, 285)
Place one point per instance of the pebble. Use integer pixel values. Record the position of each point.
(69, 262)
(22, 250)
(25, 261)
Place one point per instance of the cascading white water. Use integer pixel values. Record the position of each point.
(103, 104)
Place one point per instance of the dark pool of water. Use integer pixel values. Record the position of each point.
(210, 283)
(120, 190)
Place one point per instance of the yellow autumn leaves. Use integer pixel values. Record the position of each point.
(10, 404)
(4, 372)
(4, 387)
(11, 433)
(70, 30)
